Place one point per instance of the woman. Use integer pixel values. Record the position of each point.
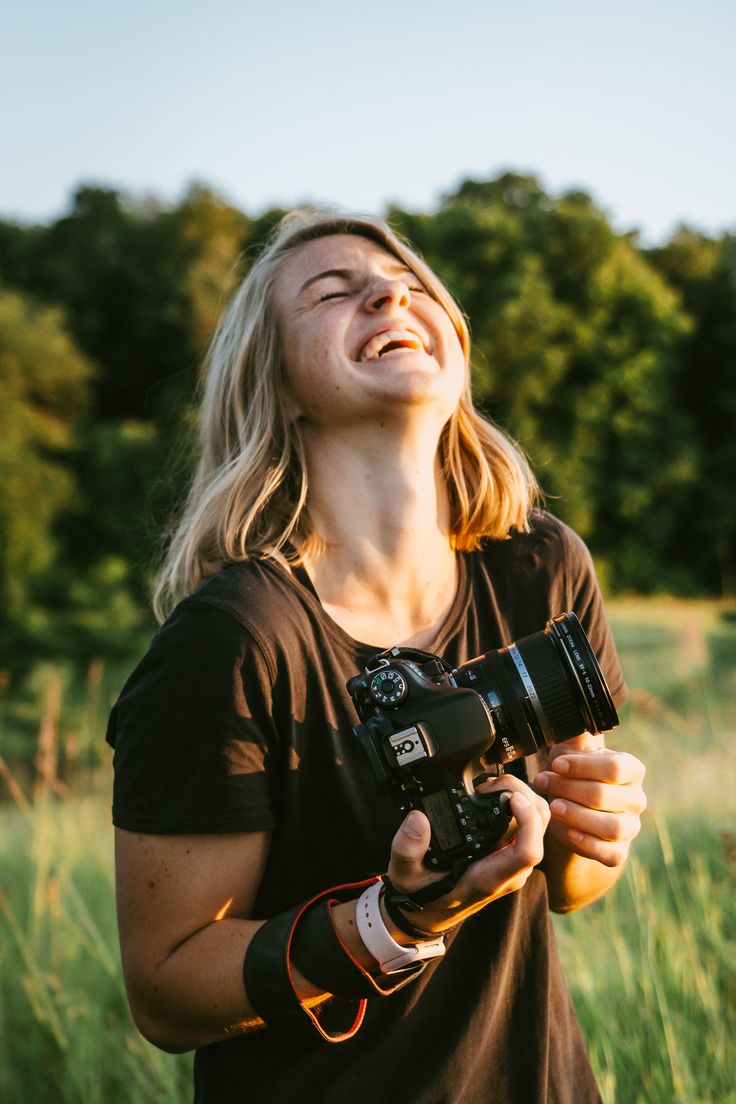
(349, 498)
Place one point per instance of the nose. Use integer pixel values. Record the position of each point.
(388, 292)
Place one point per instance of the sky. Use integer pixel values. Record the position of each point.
(364, 104)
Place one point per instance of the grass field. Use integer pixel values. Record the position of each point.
(652, 967)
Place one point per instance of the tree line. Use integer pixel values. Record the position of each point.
(614, 365)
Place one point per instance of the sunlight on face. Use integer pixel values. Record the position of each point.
(360, 333)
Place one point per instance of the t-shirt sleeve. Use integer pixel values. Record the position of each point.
(587, 602)
(193, 732)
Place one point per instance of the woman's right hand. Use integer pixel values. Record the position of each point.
(503, 871)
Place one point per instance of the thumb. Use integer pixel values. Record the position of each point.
(408, 847)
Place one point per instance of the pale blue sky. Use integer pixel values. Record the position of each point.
(365, 103)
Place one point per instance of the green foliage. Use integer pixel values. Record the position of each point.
(128, 476)
(665, 948)
(703, 271)
(216, 235)
(613, 366)
(44, 383)
(65, 1030)
(652, 966)
(576, 341)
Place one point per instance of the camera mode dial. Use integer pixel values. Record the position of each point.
(388, 687)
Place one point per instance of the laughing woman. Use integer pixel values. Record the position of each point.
(348, 498)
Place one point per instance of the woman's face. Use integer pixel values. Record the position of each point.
(362, 338)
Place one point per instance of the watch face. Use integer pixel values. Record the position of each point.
(388, 687)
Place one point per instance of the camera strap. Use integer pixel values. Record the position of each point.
(414, 655)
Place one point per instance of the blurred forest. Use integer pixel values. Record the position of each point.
(613, 365)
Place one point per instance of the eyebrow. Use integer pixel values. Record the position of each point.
(349, 274)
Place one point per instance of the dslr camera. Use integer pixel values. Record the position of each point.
(431, 733)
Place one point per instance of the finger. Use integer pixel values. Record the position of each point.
(612, 827)
(503, 782)
(523, 851)
(407, 851)
(515, 785)
(615, 767)
(503, 871)
(608, 853)
(595, 795)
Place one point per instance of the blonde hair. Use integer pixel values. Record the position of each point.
(250, 495)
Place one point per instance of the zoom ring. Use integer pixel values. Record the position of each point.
(556, 696)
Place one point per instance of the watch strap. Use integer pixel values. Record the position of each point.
(389, 954)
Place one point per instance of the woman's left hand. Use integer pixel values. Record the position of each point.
(596, 798)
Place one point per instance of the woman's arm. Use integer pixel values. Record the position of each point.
(596, 800)
(184, 904)
(183, 908)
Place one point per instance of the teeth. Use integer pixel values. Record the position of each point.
(405, 338)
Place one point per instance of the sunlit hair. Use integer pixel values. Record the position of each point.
(250, 492)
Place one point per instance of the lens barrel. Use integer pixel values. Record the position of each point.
(542, 689)
(594, 700)
(569, 690)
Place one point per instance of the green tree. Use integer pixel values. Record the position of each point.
(142, 287)
(44, 391)
(216, 235)
(575, 340)
(614, 367)
(703, 270)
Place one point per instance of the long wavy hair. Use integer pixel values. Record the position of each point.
(249, 495)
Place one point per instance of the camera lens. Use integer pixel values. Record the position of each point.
(593, 698)
(542, 689)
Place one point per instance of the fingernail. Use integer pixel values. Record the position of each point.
(413, 825)
(558, 808)
(562, 765)
(575, 836)
(520, 799)
(541, 782)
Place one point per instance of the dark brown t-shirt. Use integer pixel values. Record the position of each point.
(238, 719)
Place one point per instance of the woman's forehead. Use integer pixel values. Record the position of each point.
(347, 252)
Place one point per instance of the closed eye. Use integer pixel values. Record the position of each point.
(344, 294)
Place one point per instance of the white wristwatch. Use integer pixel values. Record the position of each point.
(389, 954)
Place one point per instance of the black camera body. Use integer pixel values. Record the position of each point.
(430, 731)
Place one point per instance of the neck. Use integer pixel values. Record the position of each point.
(379, 503)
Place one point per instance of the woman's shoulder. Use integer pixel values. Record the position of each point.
(548, 543)
(240, 618)
(259, 595)
(244, 588)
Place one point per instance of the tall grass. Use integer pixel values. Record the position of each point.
(65, 1031)
(651, 967)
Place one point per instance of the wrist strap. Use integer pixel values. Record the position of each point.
(320, 955)
(389, 954)
(305, 935)
(269, 983)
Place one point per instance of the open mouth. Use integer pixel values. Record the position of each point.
(390, 341)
